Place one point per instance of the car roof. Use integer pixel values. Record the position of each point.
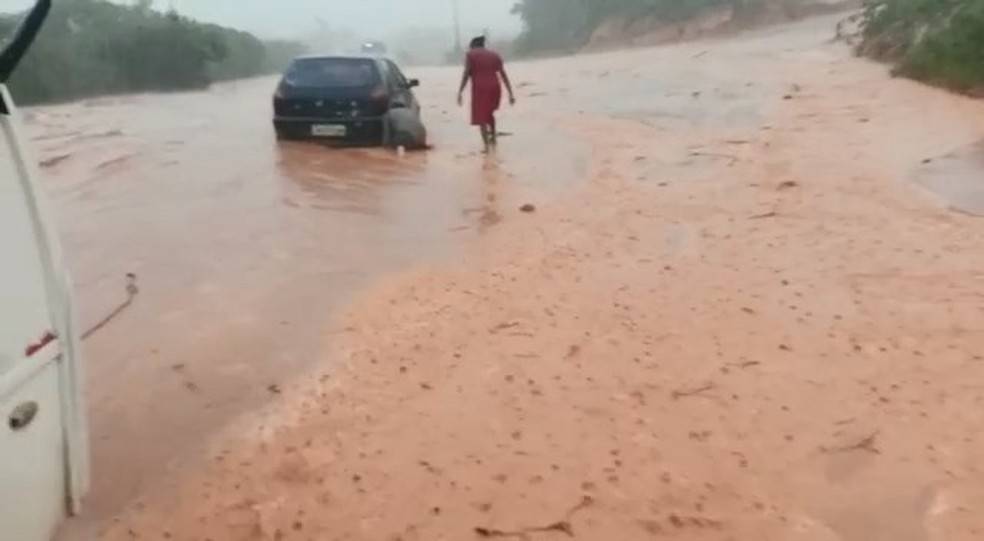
(340, 57)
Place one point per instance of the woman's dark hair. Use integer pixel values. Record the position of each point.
(478, 42)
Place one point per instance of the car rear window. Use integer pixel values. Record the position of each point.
(332, 73)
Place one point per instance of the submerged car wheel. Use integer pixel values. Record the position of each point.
(283, 134)
(402, 127)
(387, 132)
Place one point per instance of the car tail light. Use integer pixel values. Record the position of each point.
(379, 95)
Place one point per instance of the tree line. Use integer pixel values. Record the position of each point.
(94, 47)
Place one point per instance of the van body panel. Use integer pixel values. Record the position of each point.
(43, 435)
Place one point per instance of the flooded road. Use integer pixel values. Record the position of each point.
(729, 291)
(245, 248)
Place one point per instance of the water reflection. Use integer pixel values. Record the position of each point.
(344, 179)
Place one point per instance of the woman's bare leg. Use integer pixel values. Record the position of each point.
(484, 128)
(493, 134)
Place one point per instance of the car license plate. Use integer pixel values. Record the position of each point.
(329, 130)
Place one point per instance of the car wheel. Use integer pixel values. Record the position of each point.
(282, 134)
(406, 130)
(387, 128)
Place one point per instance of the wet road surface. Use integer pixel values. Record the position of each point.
(245, 247)
(248, 251)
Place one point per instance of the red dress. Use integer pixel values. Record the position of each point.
(484, 66)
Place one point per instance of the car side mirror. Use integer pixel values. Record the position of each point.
(412, 83)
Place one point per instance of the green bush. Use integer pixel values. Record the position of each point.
(937, 41)
(94, 47)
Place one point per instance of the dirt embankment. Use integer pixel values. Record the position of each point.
(622, 31)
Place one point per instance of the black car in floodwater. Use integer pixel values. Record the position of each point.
(358, 99)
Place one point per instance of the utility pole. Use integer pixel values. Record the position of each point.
(456, 14)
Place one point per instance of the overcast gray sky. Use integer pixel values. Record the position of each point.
(289, 18)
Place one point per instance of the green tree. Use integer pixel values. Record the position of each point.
(92, 47)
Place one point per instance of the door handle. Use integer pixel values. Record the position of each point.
(22, 416)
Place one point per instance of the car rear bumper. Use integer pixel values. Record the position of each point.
(363, 129)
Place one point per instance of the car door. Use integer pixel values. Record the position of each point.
(43, 461)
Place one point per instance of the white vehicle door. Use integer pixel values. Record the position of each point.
(43, 447)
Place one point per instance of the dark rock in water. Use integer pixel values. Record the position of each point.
(54, 160)
(528, 208)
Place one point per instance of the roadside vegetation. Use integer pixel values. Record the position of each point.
(566, 25)
(94, 47)
(937, 41)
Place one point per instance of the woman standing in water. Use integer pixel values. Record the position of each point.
(484, 67)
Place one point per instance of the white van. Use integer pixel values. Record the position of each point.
(43, 443)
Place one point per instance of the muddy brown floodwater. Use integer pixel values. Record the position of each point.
(245, 247)
(736, 312)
